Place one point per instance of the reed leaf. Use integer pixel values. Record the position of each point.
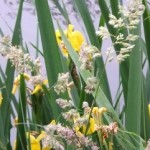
(124, 66)
(21, 128)
(9, 72)
(100, 99)
(133, 109)
(50, 48)
(146, 23)
(88, 23)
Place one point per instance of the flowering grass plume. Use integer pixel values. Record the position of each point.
(77, 112)
(87, 55)
(130, 18)
(91, 85)
(62, 83)
(20, 60)
(80, 126)
(37, 81)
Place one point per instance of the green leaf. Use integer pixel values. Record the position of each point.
(145, 118)
(50, 48)
(2, 131)
(63, 10)
(133, 109)
(6, 108)
(83, 9)
(37, 50)
(124, 66)
(21, 128)
(146, 23)
(1, 32)
(101, 99)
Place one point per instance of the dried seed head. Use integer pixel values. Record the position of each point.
(90, 85)
(62, 83)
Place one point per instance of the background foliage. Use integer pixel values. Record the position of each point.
(129, 108)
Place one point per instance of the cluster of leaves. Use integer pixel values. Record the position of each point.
(35, 108)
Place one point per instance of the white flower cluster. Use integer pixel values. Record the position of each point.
(4, 45)
(35, 80)
(18, 58)
(130, 19)
(116, 23)
(132, 12)
(126, 45)
(90, 85)
(148, 145)
(103, 32)
(87, 54)
(63, 103)
(70, 115)
(62, 83)
(73, 138)
(50, 141)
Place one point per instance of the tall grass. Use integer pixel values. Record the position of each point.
(71, 105)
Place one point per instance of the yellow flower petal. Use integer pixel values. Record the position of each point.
(46, 148)
(70, 29)
(102, 110)
(45, 81)
(91, 128)
(26, 76)
(37, 88)
(16, 121)
(149, 109)
(41, 136)
(1, 99)
(15, 87)
(95, 111)
(64, 51)
(53, 122)
(75, 38)
(58, 36)
(17, 82)
(97, 115)
(35, 144)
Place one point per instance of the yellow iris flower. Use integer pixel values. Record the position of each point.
(39, 87)
(27, 78)
(81, 128)
(97, 114)
(90, 129)
(17, 82)
(75, 38)
(35, 142)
